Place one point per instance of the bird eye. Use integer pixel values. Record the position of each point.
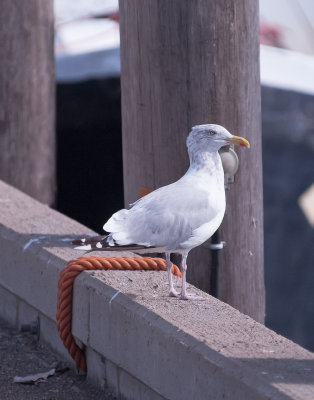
(212, 132)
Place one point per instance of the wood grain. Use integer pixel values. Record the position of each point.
(27, 97)
(188, 62)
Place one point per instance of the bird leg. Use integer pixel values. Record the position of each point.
(172, 291)
(184, 294)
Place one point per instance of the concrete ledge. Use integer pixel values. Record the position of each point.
(139, 342)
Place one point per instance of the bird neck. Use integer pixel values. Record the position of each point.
(206, 169)
(209, 162)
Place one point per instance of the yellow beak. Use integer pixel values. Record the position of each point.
(238, 140)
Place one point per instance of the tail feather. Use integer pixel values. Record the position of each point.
(88, 240)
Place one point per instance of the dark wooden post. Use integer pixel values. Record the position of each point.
(191, 62)
(27, 101)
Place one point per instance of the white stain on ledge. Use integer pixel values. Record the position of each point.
(113, 297)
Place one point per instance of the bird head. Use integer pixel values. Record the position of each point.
(211, 137)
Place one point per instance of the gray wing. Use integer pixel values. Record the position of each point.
(164, 218)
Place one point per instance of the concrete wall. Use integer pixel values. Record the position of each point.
(139, 342)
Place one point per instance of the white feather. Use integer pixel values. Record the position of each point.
(181, 215)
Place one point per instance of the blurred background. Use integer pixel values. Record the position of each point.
(90, 182)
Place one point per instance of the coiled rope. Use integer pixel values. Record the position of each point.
(65, 291)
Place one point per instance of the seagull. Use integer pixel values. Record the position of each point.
(177, 217)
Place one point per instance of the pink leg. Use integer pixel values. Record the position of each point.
(172, 291)
(184, 294)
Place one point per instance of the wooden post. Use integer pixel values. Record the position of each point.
(27, 97)
(185, 63)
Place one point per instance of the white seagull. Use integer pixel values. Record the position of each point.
(177, 217)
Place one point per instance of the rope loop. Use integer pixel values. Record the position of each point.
(65, 291)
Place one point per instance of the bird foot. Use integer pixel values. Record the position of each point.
(190, 296)
(173, 293)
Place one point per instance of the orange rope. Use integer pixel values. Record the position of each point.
(65, 291)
